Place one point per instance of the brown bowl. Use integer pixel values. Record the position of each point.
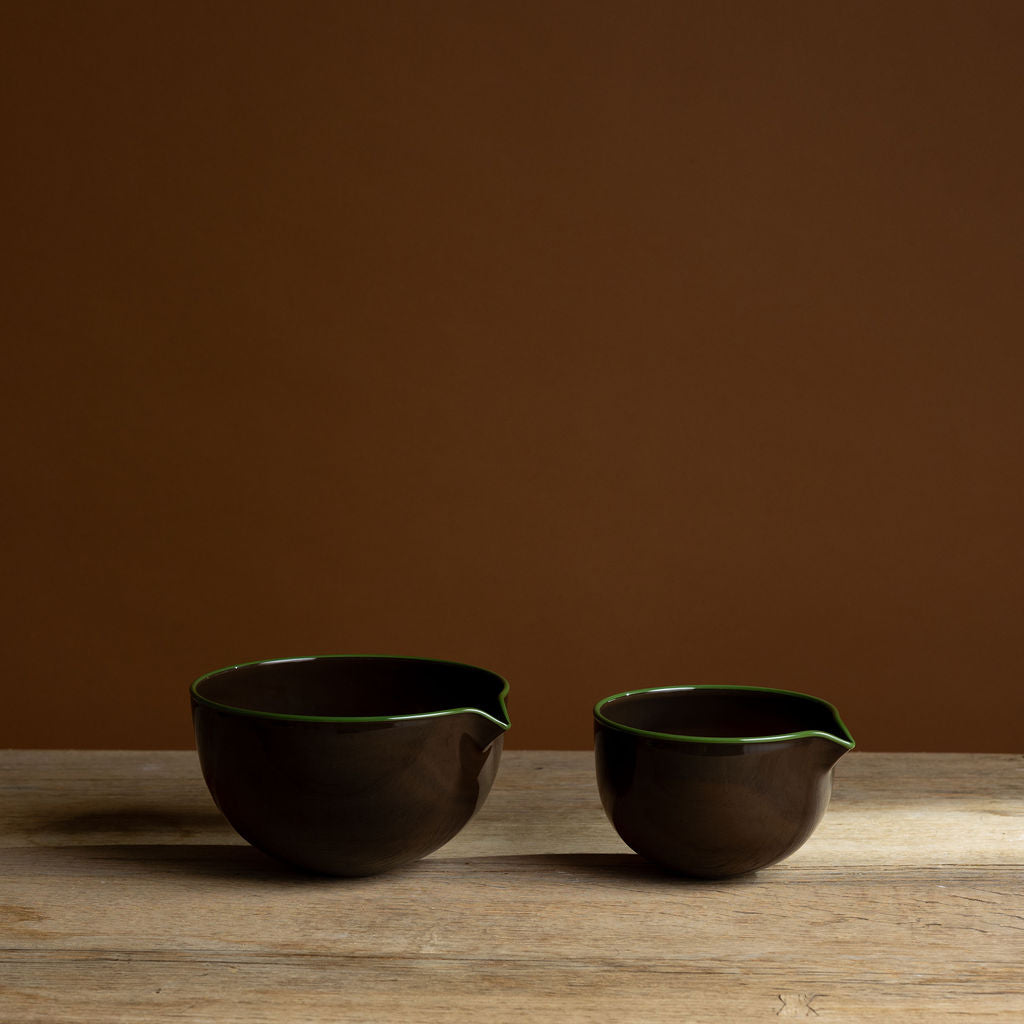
(715, 781)
(349, 765)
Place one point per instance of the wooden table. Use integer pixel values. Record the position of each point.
(125, 897)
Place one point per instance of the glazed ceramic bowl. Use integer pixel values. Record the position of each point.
(349, 765)
(716, 781)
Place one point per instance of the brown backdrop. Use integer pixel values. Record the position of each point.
(601, 344)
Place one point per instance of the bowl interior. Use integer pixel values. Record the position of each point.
(721, 713)
(354, 687)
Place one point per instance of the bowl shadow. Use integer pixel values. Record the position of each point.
(592, 867)
(233, 862)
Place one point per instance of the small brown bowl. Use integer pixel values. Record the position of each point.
(349, 765)
(716, 781)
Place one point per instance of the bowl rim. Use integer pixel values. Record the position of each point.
(504, 724)
(842, 735)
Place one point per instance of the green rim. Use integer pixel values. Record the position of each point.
(844, 739)
(280, 716)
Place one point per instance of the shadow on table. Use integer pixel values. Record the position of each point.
(197, 842)
(156, 840)
(223, 861)
(241, 862)
(133, 823)
(588, 867)
(238, 861)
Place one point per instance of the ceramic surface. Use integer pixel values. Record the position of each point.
(715, 781)
(349, 765)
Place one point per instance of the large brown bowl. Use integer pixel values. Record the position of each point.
(349, 765)
(715, 781)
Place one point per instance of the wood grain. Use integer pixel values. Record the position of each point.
(124, 896)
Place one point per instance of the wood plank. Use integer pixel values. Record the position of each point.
(123, 886)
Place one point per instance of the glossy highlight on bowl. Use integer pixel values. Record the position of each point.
(716, 781)
(349, 764)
